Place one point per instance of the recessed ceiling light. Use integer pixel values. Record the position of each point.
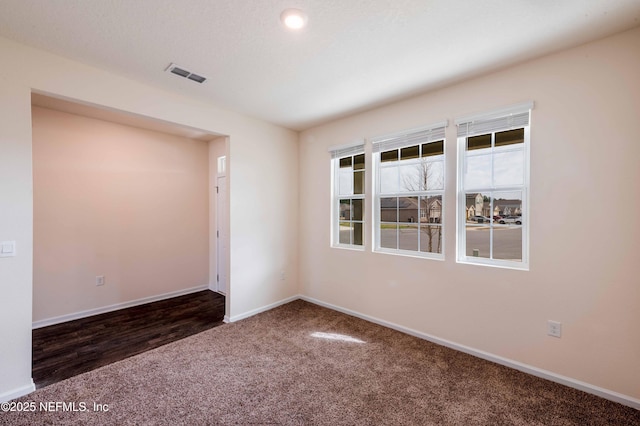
(294, 19)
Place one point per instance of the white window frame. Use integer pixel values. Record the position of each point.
(510, 118)
(424, 135)
(337, 153)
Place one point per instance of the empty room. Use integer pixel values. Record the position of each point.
(428, 208)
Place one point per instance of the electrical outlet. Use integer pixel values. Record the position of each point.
(282, 276)
(554, 328)
(100, 280)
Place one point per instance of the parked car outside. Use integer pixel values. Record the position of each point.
(511, 219)
(479, 219)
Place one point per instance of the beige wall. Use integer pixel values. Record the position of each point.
(113, 200)
(263, 174)
(584, 233)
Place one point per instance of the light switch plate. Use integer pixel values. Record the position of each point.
(7, 248)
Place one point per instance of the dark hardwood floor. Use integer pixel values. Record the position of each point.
(64, 350)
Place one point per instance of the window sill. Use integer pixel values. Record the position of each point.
(348, 247)
(406, 253)
(518, 266)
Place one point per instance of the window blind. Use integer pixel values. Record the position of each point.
(353, 148)
(434, 132)
(505, 119)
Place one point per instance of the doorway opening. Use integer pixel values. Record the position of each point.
(93, 266)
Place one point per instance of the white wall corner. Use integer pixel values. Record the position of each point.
(256, 311)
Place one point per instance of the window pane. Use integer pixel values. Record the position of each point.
(357, 233)
(358, 162)
(510, 137)
(410, 152)
(431, 209)
(345, 209)
(408, 237)
(478, 238)
(345, 233)
(357, 209)
(407, 216)
(495, 187)
(431, 238)
(410, 176)
(345, 181)
(433, 148)
(350, 181)
(479, 142)
(389, 156)
(388, 209)
(389, 235)
(389, 180)
(508, 167)
(432, 175)
(358, 182)
(478, 172)
(408, 210)
(345, 162)
(508, 205)
(507, 243)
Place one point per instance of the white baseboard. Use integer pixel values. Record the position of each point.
(115, 307)
(262, 309)
(525, 368)
(17, 393)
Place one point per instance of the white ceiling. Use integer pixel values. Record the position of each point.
(354, 54)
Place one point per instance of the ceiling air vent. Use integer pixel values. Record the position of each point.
(175, 69)
(197, 78)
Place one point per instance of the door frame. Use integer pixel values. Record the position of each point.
(222, 231)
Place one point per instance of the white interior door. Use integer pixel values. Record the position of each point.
(222, 234)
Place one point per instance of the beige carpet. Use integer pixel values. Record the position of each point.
(301, 364)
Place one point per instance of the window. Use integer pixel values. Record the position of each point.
(409, 192)
(493, 188)
(348, 218)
